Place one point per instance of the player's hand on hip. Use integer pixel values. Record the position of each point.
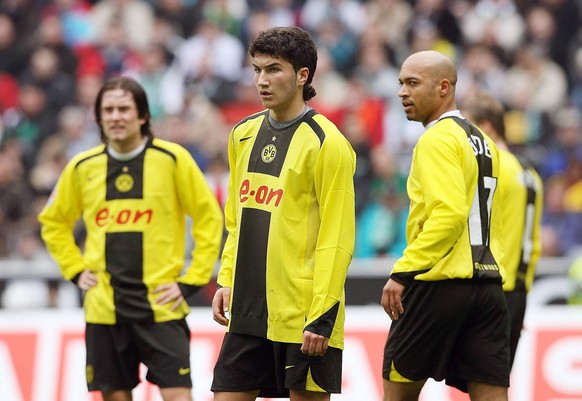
(220, 303)
(169, 292)
(392, 299)
(87, 280)
(314, 344)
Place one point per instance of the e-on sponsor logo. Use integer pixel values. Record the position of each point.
(262, 195)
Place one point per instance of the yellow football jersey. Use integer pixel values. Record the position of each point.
(290, 216)
(134, 213)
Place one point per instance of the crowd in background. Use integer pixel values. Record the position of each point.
(190, 55)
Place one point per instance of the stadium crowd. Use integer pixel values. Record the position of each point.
(190, 56)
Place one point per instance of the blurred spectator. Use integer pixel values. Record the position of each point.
(534, 82)
(30, 122)
(74, 134)
(495, 23)
(355, 132)
(376, 71)
(75, 20)
(25, 14)
(348, 16)
(340, 43)
(114, 51)
(161, 80)
(212, 60)
(436, 17)
(389, 19)
(15, 196)
(480, 69)
(182, 16)
(561, 230)
(379, 225)
(332, 88)
(568, 22)
(566, 145)
(133, 18)
(44, 71)
(229, 14)
(50, 34)
(216, 174)
(13, 55)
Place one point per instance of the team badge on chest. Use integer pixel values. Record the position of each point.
(269, 153)
(124, 182)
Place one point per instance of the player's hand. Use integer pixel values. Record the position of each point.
(87, 280)
(169, 293)
(220, 303)
(392, 299)
(314, 344)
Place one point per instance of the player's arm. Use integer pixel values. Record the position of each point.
(57, 220)
(439, 161)
(334, 187)
(225, 274)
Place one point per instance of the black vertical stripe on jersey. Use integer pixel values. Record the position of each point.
(134, 168)
(482, 253)
(124, 261)
(531, 201)
(249, 305)
(265, 137)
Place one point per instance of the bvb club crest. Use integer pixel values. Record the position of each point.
(269, 153)
(124, 182)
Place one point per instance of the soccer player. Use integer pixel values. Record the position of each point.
(445, 295)
(291, 228)
(522, 195)
(134, 193)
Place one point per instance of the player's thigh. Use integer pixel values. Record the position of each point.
(176, 394)
(118, 395)
(487, 392)
(397, 391)
(235, 396)
(304, 395)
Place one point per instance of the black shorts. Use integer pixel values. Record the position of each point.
(248, 363)
(516, 304)
(114, 353)
(452, 330)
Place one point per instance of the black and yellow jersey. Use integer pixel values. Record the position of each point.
(135, 215)
(454, 229)
(522, 194)
(290, 216)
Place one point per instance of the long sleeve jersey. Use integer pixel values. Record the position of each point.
(135, 216)
(454, 229)
(522, 194)
(290, 217)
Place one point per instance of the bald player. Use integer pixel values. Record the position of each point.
(444, 295)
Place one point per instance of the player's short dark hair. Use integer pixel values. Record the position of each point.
(291, 44)
(139, 96)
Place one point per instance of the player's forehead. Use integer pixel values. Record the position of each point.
(263, 60)
(117, 96)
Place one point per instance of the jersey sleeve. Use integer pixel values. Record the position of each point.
(201, 205)
(438, 158)
(335, 243)
(58, 219)
(225, 274)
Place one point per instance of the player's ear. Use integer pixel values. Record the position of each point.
(302, 75)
